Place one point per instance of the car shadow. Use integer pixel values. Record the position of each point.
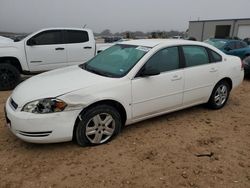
(247, 77)
(165, 117)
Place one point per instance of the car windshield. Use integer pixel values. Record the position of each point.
(116, 61)
(216, 43)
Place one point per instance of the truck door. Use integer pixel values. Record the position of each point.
(46, 51)
(80, 46)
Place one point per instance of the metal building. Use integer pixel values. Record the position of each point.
(226, 28)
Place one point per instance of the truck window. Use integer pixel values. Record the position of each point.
(48, 37)
(74, 36)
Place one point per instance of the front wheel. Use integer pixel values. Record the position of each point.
(98, 125)
(219, 95)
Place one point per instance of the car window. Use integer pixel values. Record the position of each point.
(240, 44)
(195, 55)
(117, 60)
(49, 37)
(215, 57)
(164, 60)
(216, 43)
(74, 36)
(231, 45)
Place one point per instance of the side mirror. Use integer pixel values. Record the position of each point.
(149, 72)
(227, 48)
(31, 42)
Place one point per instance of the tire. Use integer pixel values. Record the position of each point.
(219, 96)
(246, 62)
(9, 76)
(92, 130)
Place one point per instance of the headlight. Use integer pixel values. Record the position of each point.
(44, 106)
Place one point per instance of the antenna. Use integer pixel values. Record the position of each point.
(84, 26)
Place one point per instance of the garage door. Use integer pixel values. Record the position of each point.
(244, 31)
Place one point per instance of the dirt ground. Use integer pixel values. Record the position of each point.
(160, 152)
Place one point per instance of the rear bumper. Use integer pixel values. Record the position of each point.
(41, 128)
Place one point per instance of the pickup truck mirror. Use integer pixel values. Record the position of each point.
(31, 42)
(149, 72)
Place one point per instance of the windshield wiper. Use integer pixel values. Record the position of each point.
(96, 71)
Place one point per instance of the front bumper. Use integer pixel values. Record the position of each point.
(41, 128)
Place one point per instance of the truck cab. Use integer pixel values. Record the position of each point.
(44, 50)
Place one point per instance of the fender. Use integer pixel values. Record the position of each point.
(15, 50)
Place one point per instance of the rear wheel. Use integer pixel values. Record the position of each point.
(9, 76)
(219, 95)
(98, 125)
(246, 62)
(246, 58)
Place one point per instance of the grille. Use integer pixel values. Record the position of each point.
(13, 104)
(35, 134)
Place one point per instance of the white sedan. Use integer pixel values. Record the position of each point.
(129, 82)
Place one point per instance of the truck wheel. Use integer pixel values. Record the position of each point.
(9, 76)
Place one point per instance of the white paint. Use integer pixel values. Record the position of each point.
(141, 97)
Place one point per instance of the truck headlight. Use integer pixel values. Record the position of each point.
(44, 106)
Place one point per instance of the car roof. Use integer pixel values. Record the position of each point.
(225, 40)
(155, 42)
(63, 28)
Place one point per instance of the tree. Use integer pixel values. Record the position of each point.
(106, 32)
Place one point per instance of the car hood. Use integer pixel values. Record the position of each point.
(4, 40)
(55, 83)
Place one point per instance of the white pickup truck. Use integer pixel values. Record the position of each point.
(45, 50)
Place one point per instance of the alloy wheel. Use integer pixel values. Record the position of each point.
(100, 128)
(221, 94)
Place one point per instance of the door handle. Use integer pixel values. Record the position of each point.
(59, 49)
(87, 47)
(176, 77)
(213, 70)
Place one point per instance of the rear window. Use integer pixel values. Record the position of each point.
(216, 43)
(195, 55)
(74, 36)
(214, 56)
(240, 44)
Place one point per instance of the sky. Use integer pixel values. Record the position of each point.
(116, 15)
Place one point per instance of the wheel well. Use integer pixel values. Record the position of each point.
(13, 61)
(118, 106)
(229, 81)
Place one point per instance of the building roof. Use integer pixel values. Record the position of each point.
(219, 20)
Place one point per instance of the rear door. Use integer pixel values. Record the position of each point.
(201, 74)
(159, 93)
(80, 46)
(46, 51)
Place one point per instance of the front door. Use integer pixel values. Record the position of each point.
(159, 93)
(46, 51)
